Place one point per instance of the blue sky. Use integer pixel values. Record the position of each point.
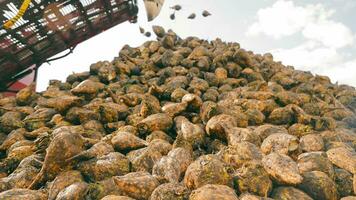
(312, 35)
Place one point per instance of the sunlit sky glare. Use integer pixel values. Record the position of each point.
(311, 35)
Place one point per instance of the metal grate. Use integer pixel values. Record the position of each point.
(52, 26)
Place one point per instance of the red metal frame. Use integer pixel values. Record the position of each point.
(52, 26)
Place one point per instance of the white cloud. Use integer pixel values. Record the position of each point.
(323, 38)
(313, 21)
(309, 56)
(281, 19)
(344, 73)
(329, 33)
(319, 60)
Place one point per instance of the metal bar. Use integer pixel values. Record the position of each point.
(119, 18)
(35, 19)
(11, 57)
(36, 54)
(108, 9)
(41, 30)
(60, 33)
(85, 15)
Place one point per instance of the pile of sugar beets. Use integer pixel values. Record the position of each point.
(181, 119)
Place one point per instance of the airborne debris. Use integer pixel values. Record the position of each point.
(148, 34)
(206, 13)
(192, 16)
(142, 30)
(176, 7)
(172, 16)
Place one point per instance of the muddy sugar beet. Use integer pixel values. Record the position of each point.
(181, 119)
